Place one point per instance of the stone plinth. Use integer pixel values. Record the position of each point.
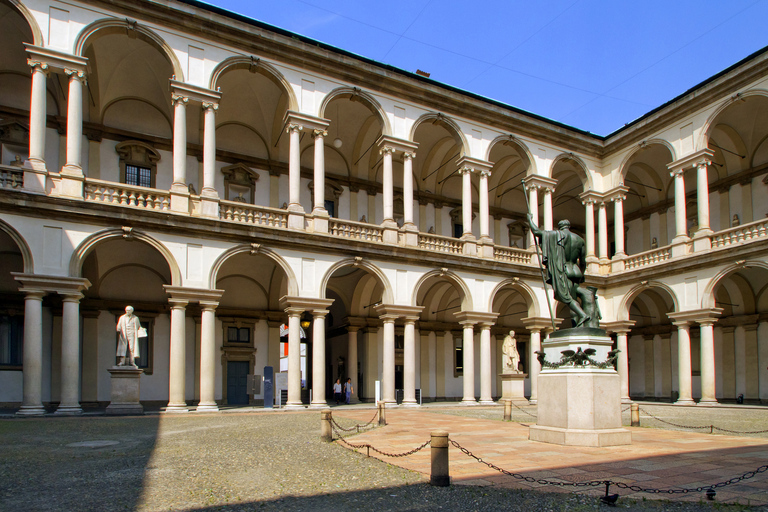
(579, 405)
(125, 390)
(513, 387)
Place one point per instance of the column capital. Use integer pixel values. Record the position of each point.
(619, 326)
(701, 157)
(319, 133)
(476, 317)
(71, 296)
(474, 164)
(194, 92)
(304, 303)
(48, 59)
(707, 316)
(387, 150)
(539, 182)
(201, 295)
(178, 98)
(77, 74)
(36, 64)
(293, 118)
(209, 305)
(616, 194)
(409, 155)
(52, 284)
(398, 311)
(591, 197)
(210, 106)
(397, 145)
(539, 323)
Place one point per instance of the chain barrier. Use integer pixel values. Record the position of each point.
(355, 428)
(370, 447)
(711, 428)
(521, 409)
(625, 410)
(608, 483)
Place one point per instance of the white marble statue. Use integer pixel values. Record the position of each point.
(128, 328)
(511, 355)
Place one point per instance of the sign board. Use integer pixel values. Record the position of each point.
(269, 394)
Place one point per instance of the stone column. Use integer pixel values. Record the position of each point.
(485, 232)
(70, 355)
(409, 361)
(179, 188)
(681, 234)
(762, 359)
(618, 225)
(408, 157)
(178, 357)
(684, 363)
(37, 114)
(318, 358)
(486, 373)
(589, 222)
(602, 228)
(294, 358)
(319, 181)
(352, 360)
(388, 184)
(622, 365)
(707, 362)
(32, 404)
(702, 195)
(468, 356)
(740, 359)
(295, 221)
(466, 202)
(388, 360)
(533, 202)
(209, 196)
(75, 122)
(208, 357)
(548, 220)
(534, 366)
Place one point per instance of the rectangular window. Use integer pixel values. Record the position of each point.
(238, 335)
(458, 357)
(11, 341)
(138, 176)
(145, 348)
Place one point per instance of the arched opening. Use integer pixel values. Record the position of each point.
(572, 180)
(506, 193)
(512, 302)
(12, 321)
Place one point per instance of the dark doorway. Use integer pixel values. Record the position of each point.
(237, 382)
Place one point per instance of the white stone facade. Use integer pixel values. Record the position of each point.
(227, 179)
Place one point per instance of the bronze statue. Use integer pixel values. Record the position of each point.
(564, 256)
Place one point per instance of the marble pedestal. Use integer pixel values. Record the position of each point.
(513, 388)
(579, 405)
(125, 391)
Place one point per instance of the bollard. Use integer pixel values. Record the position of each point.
(326, 433)
(635, 414)
(507, 410)
(382, 414)
(440, 476)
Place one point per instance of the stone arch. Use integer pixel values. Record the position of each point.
(261, 67)
(293, 287)
(501, 139)
(466, 304)
(447, 123)
(388, 296)
(703, 141)
(87, 245)
(623, 311)
(523, 288)
(373, 105)
(708, 299)
(623, 167)
(585, 176)
(141, 31)
(37, 34)
(26, 253)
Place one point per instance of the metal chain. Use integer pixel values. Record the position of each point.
(710, 427)
(625, 410)
(526, 412)
(386, 454)
(354, 428)
(620, 485)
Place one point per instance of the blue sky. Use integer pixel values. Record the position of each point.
(595, 65)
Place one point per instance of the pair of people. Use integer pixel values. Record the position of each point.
(347, 391)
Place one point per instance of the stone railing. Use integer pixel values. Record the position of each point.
(646, 258)
(512, 255)
(356, 230)
(440, 244)
(730, 236)
(251, 214)
(11, 177)
(121, 194)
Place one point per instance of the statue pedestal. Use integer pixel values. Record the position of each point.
(513, 387)
(125, 391)
(579, 405)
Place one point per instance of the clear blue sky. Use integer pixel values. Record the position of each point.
(595, 65)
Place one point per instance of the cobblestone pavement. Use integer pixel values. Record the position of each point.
(256, 460)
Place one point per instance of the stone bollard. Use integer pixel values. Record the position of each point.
(382, 414)
(507, 410)
(440, 475)
(326, 432)
(635, 413)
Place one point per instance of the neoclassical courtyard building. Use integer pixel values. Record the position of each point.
(261, 199)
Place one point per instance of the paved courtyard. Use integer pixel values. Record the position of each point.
(244, 459)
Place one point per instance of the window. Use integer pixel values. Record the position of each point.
(458, 357)
(238, 335)
(138, 163)
(239, 183)
(11, 341)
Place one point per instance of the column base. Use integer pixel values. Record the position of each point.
(680, 245)
(685, 401)
(485, 247)
(294, 405)
(708, 403)
(702, 240)
(320, 220)
(410, 403)
(296, 217)
(468, 401)
(391, 234)
(617, 263)
(470, 245)
(34, 178)
(319, 405)
(71, 185)
(69, 410)
(179, 198)
(411, 234)
(533, 401)
(31, 410)
(486, 401)
(207, 408)
(626, 400)
(176, 408)
(209, 207)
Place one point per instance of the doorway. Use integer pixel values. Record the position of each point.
(237, 382)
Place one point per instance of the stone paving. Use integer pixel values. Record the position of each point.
(656, 459)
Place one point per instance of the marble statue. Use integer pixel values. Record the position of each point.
(128, 329)
(511, 355)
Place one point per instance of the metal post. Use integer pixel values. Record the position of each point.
(507, 410)
(382, 414)
(326, 433)
(635, 413)
(440, 475)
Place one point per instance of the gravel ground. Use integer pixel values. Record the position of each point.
(253, 461)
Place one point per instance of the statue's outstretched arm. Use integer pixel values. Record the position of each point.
(534, 228)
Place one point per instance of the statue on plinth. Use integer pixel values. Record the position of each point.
(511, 355)
(129, 330)
(564, 257)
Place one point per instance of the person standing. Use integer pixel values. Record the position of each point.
(337, 391)
(348, 390)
